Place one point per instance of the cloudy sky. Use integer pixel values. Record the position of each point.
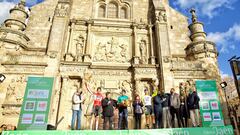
(221, 19)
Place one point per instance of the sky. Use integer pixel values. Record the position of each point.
(221, 20)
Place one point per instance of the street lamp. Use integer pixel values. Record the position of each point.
(2, 78)
(223, 85)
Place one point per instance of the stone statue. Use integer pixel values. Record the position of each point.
(79, 48)
(112, 49)
(100, 54)
(89, 83)
(143, 52)
(123, 52)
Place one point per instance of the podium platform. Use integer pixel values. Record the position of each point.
(226, 130)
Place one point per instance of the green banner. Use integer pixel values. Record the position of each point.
(210, 107)
(36, 104)
(226, 130)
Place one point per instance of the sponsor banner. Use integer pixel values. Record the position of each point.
(210, 108)
(36, 104)
(225, 130)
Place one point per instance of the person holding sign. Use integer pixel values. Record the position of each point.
(77, 101)
(123, 103)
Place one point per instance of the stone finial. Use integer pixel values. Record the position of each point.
(194, 16)
(21, 4)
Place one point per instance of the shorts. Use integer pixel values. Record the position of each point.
(97, 110)
(148, 110)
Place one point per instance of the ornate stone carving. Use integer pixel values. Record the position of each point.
(147, 71)
(62, 10)
(76, 50)
(143, 52)
(127, 85)
(26, 70)
(161, 16)
(112, 51)
(11, 110)
(14, 95)
(112, 73)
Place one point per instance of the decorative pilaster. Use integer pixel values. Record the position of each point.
(87, 55)
(152, 57)
(163, 46)
(62, 103)
(69, 56)
(59, 28)
(136, 58)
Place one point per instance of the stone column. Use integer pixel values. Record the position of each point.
(87, 55)
(62, 104)
(69, 56)
(152, 57)
(136, 46)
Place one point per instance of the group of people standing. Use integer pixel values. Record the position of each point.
(160, 109)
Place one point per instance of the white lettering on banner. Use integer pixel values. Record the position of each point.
(35, 93)
(223, 131)
(181, 132)
(207, 95)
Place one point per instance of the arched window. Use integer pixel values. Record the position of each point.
(101, 11)
(112, 10)
(123, 13)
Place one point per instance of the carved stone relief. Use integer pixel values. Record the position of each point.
(114, 50)
(14, 96)
(62, 10)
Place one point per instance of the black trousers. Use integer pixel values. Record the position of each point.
(158, 118)
(174, 111)
(138, 117)
(110, 120)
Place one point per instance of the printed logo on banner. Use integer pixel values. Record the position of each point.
(214, 105)
(27, 118)
(32, 93)
(207, 95)
(216, 116)
(29, 106)
(207, 116)
(205, 106)
(39, 119)
(42, 106)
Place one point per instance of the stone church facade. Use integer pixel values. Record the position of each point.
(113, 44)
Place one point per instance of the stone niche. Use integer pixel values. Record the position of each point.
(111, 49)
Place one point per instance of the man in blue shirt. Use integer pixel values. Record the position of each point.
(123, 103)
